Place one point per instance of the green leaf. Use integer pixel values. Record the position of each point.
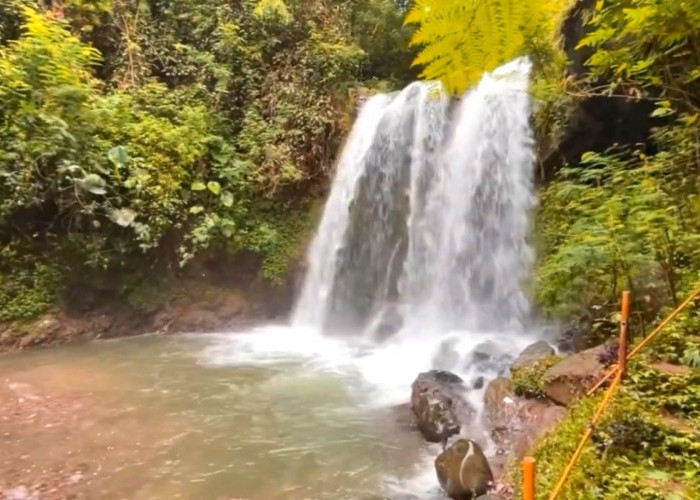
(198, 186)
(197, 209)
(214, 187)
(94, 184)
(118, 156)
(122, 216)
(227, 199)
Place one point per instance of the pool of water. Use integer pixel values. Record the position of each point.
(204, 416)
(274, 413)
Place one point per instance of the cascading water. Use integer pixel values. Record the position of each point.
(421, 258)
(425, 230)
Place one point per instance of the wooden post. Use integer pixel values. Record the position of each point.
(625, 313)
(528, 466)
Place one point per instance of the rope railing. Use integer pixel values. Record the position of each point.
(618, 371)
(694, 294)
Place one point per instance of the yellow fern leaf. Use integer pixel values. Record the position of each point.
(460, 39)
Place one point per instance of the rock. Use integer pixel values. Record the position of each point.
(499, 400)
(491, 496)
(532, 354)
(571, 341)
(437, 400)
(573, 376)
(489, 357)
(478, 383)
(463, 471)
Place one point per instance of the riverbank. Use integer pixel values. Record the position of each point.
(214, 294)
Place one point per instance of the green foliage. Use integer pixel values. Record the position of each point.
(647, 48)
(612, 223)
(462, 39)
(645, 447)
(528, 380)
(134, 135)
(27, 290)
(628, 218)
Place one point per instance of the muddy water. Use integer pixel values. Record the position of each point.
(153, 417)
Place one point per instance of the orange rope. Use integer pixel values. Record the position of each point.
(589, 431)
(647, 340)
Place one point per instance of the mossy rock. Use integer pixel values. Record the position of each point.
(528, 380)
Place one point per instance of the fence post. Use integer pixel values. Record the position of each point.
(528, 466)
(625, 312)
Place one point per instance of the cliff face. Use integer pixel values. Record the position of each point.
(596, 122)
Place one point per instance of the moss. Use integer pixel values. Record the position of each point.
(528, 380)
(27, 293)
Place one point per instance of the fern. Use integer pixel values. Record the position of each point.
(461, 39)
(274, 10)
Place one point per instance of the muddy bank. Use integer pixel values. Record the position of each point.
(212, 294)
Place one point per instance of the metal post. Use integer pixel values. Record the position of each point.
(625, 312)
(528, 466)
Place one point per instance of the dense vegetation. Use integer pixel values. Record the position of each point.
(628, 218)
(621, 217)
(136, 134)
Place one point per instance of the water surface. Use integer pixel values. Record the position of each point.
(202, 417)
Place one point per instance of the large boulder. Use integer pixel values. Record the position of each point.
(438, 401)
(532, 354)
(463, 470)
(573, 376)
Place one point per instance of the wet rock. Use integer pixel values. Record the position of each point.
(463, 470)
(532, 354)
(478, 383)
(489, 357)
(571, 341)
(527, 421)
(532, 421)
(499, 400)
(437, 400)
(573, 376)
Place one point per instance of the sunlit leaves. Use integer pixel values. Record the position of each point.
(214, 187)
(122, 216)
(273, 10)
(461, 39)
(94, 184)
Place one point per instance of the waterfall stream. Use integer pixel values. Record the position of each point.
(426, 227)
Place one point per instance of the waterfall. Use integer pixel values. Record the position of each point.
(426, 226)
